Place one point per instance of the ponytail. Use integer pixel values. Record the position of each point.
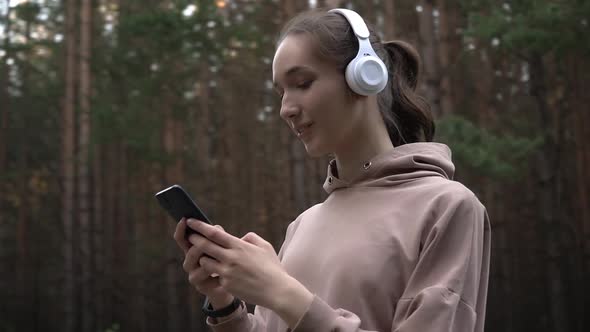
(406, 114)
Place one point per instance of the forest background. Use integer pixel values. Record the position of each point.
(105, 102)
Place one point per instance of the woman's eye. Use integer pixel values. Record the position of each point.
(304, 84)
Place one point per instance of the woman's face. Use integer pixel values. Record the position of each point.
(315, 100)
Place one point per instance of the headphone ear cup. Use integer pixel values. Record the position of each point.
(351, 78)
(366, 75)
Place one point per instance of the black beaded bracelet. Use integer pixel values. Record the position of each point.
(209, 311)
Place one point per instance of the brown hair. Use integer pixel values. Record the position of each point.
(406, 114)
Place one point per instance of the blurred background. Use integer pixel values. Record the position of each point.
(105, 102)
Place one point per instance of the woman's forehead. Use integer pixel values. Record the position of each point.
(294, 51)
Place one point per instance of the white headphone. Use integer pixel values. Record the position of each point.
(366, 74)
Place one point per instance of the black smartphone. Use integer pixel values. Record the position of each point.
(178, 203)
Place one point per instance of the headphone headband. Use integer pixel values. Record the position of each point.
(355, 20)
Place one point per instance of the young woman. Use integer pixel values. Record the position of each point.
(396, 246)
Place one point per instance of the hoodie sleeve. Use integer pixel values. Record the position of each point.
(447, 290)
(241, 320)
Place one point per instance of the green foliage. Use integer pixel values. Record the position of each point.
(148, 64)
(531, 26)
(483, 152)
(27, 11)
(113, 328)
(5, 327)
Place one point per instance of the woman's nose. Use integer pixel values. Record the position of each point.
(289, 110)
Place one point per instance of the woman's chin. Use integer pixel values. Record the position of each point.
(314, 151)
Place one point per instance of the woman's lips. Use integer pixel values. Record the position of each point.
(303, 130)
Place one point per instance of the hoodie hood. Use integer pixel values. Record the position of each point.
(401, 164)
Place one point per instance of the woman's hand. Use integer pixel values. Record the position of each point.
(249, 268)
(199, 277)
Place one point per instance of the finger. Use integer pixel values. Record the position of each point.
(195, 238)
(254, 239)
(179, 235)
(257, 241)
(209, 247)
(199, 276)
(211, 265)
(191, 259)
(202, 280)
(214, 234)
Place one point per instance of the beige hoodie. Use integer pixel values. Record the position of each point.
(401, 247)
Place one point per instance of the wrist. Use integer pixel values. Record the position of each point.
(221, 313)
(221, 301)
(291, 301)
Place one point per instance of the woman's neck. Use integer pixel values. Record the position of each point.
(371, 141)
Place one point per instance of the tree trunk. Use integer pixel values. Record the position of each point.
(171, 175)
(5, 102)
(25, 285)
(389, 20)
(4, 96)
(23, 262)
(333, 3)
(67, 168)
(407, 22)
(109, 241)
(98, 236)
(449, 50)
(547, 198)
(122, 237)
(83, 194)
(138, 228)
(577, 75)
(429, 47)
